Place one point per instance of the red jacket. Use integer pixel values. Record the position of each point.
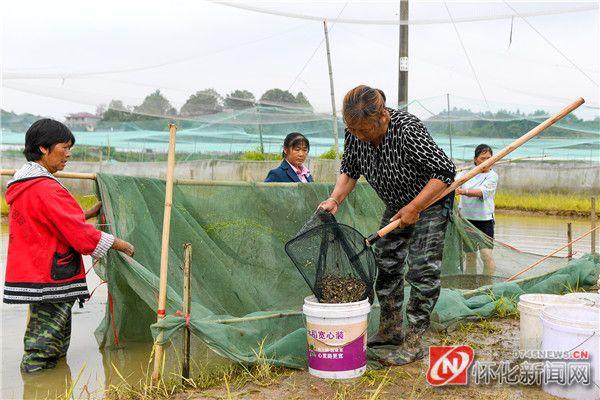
(47, 236)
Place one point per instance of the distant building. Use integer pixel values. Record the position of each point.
(82, 121)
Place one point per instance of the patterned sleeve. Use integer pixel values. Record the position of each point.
(422, 149)
(350, 165)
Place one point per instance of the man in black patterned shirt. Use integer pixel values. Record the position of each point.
(397, 156)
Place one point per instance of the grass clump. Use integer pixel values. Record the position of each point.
(258, 155)
(330, 154)
(544, 202)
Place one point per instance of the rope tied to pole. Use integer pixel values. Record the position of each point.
(186, 316)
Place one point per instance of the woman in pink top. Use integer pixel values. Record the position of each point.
(292, 168)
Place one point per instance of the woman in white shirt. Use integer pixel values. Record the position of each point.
(477, 206)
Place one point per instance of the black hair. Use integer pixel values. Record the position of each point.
(45, 133)
(483, 148)
(295, 139)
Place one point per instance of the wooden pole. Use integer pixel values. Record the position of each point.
(403, 56)
(569, 240)
(333, 110)
(489, 162)
(187, 262)
(593, 225)
(164, 252)
(551, 254)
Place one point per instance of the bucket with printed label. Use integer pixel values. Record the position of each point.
(336, 338)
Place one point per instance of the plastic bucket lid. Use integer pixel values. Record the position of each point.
(537, 301)
(313, 308)
(578, 317)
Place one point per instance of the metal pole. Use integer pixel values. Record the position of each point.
(593, 223)
(570, 240)
(333, 111)
(403, 57)
(187, 262)
(449, 127)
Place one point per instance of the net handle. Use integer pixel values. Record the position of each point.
(486, 164)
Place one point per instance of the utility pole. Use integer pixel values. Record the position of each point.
(403, 56)
(333, 111)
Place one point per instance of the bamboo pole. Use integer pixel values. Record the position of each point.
(164, 252)
(60, 174)
(593, 225)
(488, 163)
(187, 262)
(448, 122)
(570, 240)
(256, 318)
(538, 262)
(332, 92)
(468, 167)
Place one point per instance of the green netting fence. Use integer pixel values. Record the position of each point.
(245, 291)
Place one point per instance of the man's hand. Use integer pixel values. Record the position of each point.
(123, 247)
(94, 211)
(329, 205)
(408, 215)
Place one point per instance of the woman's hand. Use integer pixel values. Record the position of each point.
(460, 191)
(408, 215)
(123, 247)
(94, 211)
(329, 205)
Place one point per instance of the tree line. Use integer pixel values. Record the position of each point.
(508, 124)
(203, 102)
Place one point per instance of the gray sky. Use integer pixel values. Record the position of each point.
(195, 44)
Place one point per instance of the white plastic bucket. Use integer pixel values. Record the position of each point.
(336, 338)
(530, 307)
(574, 329)
(591, 299)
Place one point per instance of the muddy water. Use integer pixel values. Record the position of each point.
(97, 369)
(541, 234)
(92, 369)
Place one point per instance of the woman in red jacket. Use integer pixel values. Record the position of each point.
(47, 237)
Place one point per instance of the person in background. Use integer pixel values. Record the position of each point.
(477, 206)
(292, 168)
(48, 235)
(398, 157)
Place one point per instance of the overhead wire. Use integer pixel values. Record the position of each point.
(467, 55)
(551, 44)
(248, 7)
(315, 51)
(72, 75)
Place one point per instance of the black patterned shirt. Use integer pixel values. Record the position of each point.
(405, 160)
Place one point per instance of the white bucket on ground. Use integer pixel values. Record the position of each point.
(530, 307)
(337, 338)
(591, 299)
(574, 329)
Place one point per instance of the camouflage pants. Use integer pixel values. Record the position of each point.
(47, 336)
(413, 253)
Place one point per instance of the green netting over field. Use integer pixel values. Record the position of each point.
(245, 290)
